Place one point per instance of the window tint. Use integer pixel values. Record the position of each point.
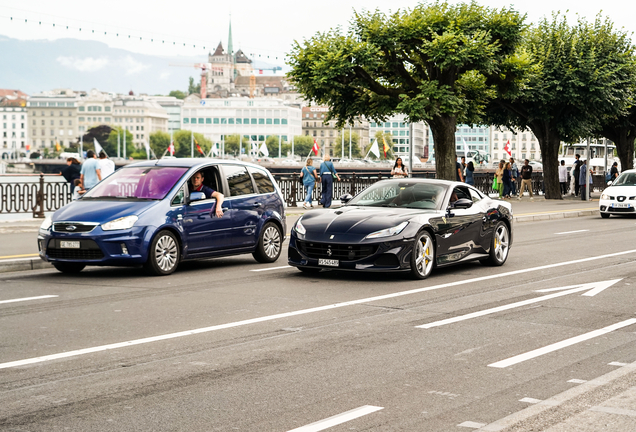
(262, 180)
(475, 195)
(179, 198)
(238, 180)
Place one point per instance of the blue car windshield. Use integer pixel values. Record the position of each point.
(151, 183)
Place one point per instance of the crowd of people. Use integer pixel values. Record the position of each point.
(83, 176)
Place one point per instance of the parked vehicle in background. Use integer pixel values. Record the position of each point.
(620, 197)
(147, 214)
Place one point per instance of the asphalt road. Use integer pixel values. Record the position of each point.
(229, 344)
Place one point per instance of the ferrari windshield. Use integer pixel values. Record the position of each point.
(151, 183)
(401, 194)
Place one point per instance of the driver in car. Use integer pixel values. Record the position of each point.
(198, 186)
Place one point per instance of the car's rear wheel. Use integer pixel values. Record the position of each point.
(499, 246)
(605, 215)
(164, 254)
(309, 269)
(269, 244)
(423, 256)
(69, 267)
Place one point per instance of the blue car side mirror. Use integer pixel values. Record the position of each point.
(197, 196)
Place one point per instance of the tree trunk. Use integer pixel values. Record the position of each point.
(443, 130)
(624, 141)
(549, 143)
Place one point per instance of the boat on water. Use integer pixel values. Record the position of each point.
(598, 150)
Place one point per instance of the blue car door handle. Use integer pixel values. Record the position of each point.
(256, 204)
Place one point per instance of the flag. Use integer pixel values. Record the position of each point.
(98, 148)
(171, 148)
(315, 148)
(198, 147)
(386, 147)
(264, 149)
(260, 71)
(465, 147)
(507, 148)
(375, 149)
(254, 150)
(145, 145)
(215, 150)
(58, 147)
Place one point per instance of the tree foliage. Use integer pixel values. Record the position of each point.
(193, 88)
(576, 78)
(110, 146)
(178, 94)
(356, 152)
(622, 131)
(438, 62)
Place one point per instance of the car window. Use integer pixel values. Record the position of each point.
(462, 192)
(475, 195)
(210, 178)
(238, 179)
(262, 180)
(179, 198)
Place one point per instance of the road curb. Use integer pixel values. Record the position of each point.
(23, 265)
(553, 216)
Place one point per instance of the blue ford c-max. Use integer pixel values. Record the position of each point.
(147, 214)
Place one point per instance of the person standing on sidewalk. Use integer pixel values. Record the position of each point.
(309, 176)
(327, 173)
(106, 166)
(526, 179)
(469, 173)
(614, 171)
(563, 178)
(515, 176)
(499, 173)
(90, 174)
(582, 182)
(576, 174)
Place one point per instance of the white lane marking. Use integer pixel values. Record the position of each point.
(577, 381)
(472, 425)
(270, 268)
(530, 400)
(619, 364)
(595, 287)
(570, 232)
(26, 299)
(557, 346)
(296, 313)
(338, 419)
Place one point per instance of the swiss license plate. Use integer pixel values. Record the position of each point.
(69, 244)
(328, 262)
(621, 205)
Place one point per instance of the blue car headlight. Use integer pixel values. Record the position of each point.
(46, 225)
(388, 232)
(126, 222)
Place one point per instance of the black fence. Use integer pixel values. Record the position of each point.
(46, 196)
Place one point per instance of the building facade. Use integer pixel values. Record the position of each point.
(327, 135)
(139, 116)
(523, 145)
(400, 130)
(173, 106)
(94, 109)
(14, 124)
(52, 119)
(472, 140)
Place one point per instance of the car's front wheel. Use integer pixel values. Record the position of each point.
(269, 244)
(69, 267)
(499, 246)
(164, 254)
(423, 256)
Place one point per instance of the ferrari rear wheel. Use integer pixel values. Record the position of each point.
(499, 246)
(423, 256)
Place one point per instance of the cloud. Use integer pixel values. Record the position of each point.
(133, 66)
(164, 76)
(88, 64)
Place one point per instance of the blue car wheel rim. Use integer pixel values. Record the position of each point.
(166, 253)
(271, 242)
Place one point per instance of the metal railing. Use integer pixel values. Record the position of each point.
(41, 193)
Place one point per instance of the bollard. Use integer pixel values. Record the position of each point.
(352, 189)
(291, 199)
(39, 200)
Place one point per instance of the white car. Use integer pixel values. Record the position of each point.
(620, 197)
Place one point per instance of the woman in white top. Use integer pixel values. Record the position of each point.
(399, 170)
(563, 178)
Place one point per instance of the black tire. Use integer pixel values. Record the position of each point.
(163, 255)
(270, 244)
(499, 246)
(422, 256)
(69, 268)
(309, 270)
(605, 215)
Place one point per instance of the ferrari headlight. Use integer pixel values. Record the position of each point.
(300, 229)
(46, 224)
(605, 196)
(388, 232)
(120, 224)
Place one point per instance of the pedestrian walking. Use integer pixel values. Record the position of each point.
(310, 177)
(458, 170)
(576, 174)
(614, 171)
(470, 168)
(499, 173)
(526, 179)
(507, 180)
(327, 174)
(106, 166)
(90, 173)
(399, 170)
(563, 178)
(515, 176)
(582, 182)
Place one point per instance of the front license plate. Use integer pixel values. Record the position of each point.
(328, 262)
(69, 244)
(620, 205)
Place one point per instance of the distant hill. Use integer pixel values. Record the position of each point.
(39, 65)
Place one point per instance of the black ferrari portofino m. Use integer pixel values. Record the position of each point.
(404, 225)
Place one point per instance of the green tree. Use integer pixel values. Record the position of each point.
(183, 144)
(303, 145)
(355, 148)
(438, 63)
(232, 144)
(577, 77)
(192, 88)
(111, 143)
(381, 137)
(178, 94)
(622, 131)
(159, 142)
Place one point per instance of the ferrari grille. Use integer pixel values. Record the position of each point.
(340, 252)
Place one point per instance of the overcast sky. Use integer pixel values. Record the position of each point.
(260, 28)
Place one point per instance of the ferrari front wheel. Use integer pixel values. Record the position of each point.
(423, 256)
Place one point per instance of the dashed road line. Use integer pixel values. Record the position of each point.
(27, 299)
(338, 419)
